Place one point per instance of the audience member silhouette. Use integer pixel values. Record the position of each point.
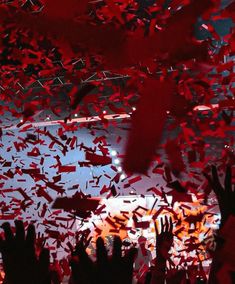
(20, 262)
(115, 269)
(226, 200)
(164, 241)
(23, 264)
(143, 259)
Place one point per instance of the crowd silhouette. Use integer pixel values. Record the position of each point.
(23, 263)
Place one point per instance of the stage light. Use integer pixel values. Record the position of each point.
(76, 115)
(133, 108)
(119, 169)
(116, 161)
(123, 176)
(202, 108)
(113, 153)
(104, 111)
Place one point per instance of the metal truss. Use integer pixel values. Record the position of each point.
(78, 64)
(61, 81)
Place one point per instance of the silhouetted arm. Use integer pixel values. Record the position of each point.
(20, 263)
(226, 200)
(117, 269)
(164, 241)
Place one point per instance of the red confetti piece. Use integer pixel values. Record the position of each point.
(67, 169)
(41, 192)
(134, 180)
(34, 153)
(72, 203)
(147, 124)
(98, 159)
(173, 152)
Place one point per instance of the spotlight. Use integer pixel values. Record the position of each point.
(133, 108)
(104, 111)
(116, 161)
(119, 169)
(123, 176)
(76, 115)
(113, 153)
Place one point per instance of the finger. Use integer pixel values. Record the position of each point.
(31, 235)
(80, 250)
(82, 266)
(228, 179)
(166, 224)
(117, 248)
(7, 232)
(156, 229)
(129, 259)
(44, 275)
(86, 244)
(162, 225)
(44, 260)
(43, 241)
(101, 252)
(20, 232)
(83, 239)
(171, 225)
(83, 257)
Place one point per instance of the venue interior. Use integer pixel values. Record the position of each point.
(117, 119)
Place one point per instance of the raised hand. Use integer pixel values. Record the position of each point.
(116, 269)
(20, 263)
(226, 199)
(164, 240)
(225, 195)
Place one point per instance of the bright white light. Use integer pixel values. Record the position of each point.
(134, 108)
(119, 169)
(202, 108)
(21, 120)
(113, 153)
(104, 111)
(123, 176)
(76, 115)
(116, 161)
